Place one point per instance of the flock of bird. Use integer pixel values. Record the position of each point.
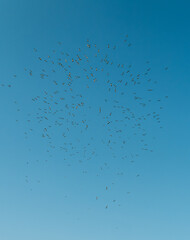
(93, 107)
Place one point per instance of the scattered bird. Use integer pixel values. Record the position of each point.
(67, 107)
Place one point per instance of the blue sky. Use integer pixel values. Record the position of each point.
(54, 197)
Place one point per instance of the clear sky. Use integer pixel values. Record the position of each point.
(92, 192)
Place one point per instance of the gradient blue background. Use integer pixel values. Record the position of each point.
(63, 205)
